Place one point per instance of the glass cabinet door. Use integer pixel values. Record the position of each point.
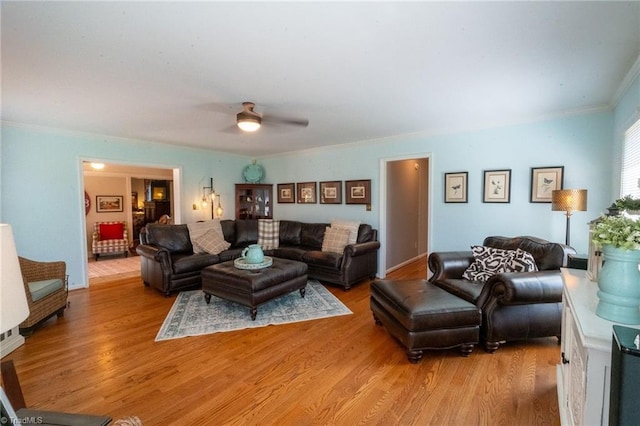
(254, 201)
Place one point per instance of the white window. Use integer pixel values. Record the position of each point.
(630, 181)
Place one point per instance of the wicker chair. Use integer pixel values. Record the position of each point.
(45, 284)
(110, 238)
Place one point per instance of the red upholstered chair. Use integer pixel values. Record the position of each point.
(110, 238)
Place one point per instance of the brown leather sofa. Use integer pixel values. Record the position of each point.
(514, 305)
(169, 264)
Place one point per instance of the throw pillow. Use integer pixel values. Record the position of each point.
(351, 225)
(269, 234)
(198, 229)
(111, 231)
(488, 261)
(523, 261)
(210, 242)
(335, 239)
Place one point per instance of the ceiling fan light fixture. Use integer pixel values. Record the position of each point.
(248, 122)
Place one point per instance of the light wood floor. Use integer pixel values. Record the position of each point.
(101, 358)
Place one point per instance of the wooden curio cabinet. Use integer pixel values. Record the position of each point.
(254, 201)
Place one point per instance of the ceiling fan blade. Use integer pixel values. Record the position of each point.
(232, 130)
(273, 119)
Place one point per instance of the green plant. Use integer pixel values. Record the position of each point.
(618, 231)
(628, 203)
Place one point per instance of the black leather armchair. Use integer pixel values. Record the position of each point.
(514, 305)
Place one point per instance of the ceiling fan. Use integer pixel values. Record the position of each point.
(249, 121)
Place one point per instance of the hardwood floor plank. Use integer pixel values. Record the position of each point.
(102, 358)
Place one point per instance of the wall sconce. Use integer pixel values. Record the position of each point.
(569, 200)
(219, 209)
(208, 199)
(208, 195)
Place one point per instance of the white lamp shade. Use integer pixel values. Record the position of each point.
(13, 300)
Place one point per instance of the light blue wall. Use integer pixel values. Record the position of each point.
(42, 181)
(42, 186)
(582, 144)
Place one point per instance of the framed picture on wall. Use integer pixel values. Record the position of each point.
(497, 186)
(286, 193)
(331, 192)
(109, 203)
(455, 187)
(306, 192)
(543, 181)
(358, 191)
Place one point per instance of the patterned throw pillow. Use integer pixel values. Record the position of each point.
(198, 229)
(335, 240)
(523, 261)
(269, 234)
(351, 225)
(489, 261)
(210, 242)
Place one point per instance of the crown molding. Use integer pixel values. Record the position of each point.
(627, 81)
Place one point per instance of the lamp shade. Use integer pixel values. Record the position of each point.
(569, 200)
(13, 300)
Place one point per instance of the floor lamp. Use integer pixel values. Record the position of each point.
(569, 201)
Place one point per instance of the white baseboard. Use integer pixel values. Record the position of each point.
(12, 340)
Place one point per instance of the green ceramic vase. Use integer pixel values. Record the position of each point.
(619, 286)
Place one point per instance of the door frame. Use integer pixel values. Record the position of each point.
(382, 214)
(176, 194)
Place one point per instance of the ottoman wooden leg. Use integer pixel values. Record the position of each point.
(303, 291)
(207, 298)
(254, 313)
(414, 356)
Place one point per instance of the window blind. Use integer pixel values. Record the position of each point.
(630, 180)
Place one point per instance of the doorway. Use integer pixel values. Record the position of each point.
(138, 187)
(404, 215)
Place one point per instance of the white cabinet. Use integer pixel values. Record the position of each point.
(585, 369)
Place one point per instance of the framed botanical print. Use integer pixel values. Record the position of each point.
(497, 186)
(286, 193)
(331, 192)
(358, 191)
(455, 187)
(544, 180)
(306, 192)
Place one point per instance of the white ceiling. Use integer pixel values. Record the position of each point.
(177, 72)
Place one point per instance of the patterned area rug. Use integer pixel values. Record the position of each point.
(191, 316)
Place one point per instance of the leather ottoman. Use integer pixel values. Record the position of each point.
(423, 316)
(254, 287)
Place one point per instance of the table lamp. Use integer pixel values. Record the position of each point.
(569, 201)
(13, 300)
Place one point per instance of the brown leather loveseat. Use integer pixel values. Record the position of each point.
(514, 305)
(169, 263)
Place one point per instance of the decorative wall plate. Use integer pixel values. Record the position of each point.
(253, 173)
(87, 203)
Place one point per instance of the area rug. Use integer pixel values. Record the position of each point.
(191, 316)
